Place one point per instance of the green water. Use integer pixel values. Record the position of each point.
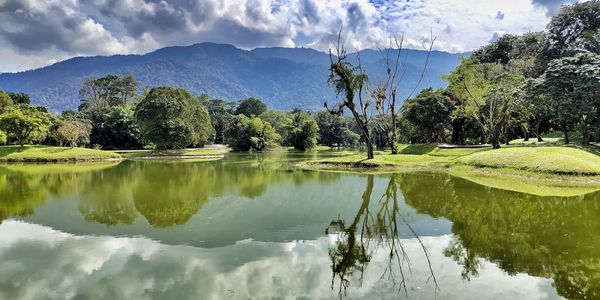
(254, 226)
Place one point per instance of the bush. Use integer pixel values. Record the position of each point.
(248, 134)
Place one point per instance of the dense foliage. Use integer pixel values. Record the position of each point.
(251, 134)
(171, 118)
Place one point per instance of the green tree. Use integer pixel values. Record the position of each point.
(570, 30)
(499, 106)
(220, 116)
(172, 119)
(24, 123)
(251, 134)
(469, 84)
(304, 131)
(99, 94)
(430, 114)
(281, 122)
(20, 98)
(334, 130)
(5, 101)
(3, 137)
(71, 133)
(573, 84)
(251, 107)
(537, 107)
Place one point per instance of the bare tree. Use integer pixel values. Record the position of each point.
(385, 92)
(349, 81)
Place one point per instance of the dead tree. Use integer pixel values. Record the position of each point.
(349, 81)
(385, 92)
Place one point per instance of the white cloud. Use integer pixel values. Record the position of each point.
(36, 261)
(51, 30)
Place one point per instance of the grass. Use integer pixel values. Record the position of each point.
(543, 171)
(527, 182)
(54, 154)
(556, 160)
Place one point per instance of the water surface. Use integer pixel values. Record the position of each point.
(254, 226)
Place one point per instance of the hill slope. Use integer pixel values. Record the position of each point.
(284, 78)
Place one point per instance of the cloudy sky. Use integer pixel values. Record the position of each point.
(35, 33)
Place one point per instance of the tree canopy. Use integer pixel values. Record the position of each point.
(171, 118)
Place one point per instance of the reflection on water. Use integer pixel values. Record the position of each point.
(255, 226)
(369, 232)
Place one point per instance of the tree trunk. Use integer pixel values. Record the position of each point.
(525, 134)
(585, 136)
(457, 131)
(392, 142)
(567, 141)
(537, 131)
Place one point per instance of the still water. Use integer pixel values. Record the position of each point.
(254, 226)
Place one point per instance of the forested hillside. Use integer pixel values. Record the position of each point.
(284, 78)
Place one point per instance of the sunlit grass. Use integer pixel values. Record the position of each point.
(53, 154)
(558, 160)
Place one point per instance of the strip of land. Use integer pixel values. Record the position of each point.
(47, 154)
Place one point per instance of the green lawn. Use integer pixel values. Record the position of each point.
(53, 154)
(549, 160)
(557, 160)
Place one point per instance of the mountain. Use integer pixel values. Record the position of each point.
(284, 78)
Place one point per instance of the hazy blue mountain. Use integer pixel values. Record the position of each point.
(285, 78)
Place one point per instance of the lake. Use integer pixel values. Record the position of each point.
(255, 226)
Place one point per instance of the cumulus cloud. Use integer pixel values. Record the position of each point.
(54, 29)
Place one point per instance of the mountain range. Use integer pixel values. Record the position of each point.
(284, 78)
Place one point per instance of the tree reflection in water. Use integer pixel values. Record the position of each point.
(371, 231)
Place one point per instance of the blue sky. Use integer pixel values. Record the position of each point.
(35, 33)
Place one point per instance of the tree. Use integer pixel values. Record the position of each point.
(537, 106)
(469, 84)
(24, 123)
(172, 119)
(220, 116)
(3, 137)
(20, 98)
(99, 94)
(281, 122)
(72, 133)
(5, 101)
(304, 131)
(430, 114)
(251, 134)
(570, 30)
(334, 130)
(573, 84)
(497, 52)
(251, 107)
(349, 81)
(499, 105)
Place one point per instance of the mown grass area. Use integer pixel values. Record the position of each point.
(547, 160)
(54, 154)
(556, 160)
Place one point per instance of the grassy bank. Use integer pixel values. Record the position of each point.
(558, 164)
(54, 154)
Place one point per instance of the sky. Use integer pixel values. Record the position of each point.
(35, 33)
